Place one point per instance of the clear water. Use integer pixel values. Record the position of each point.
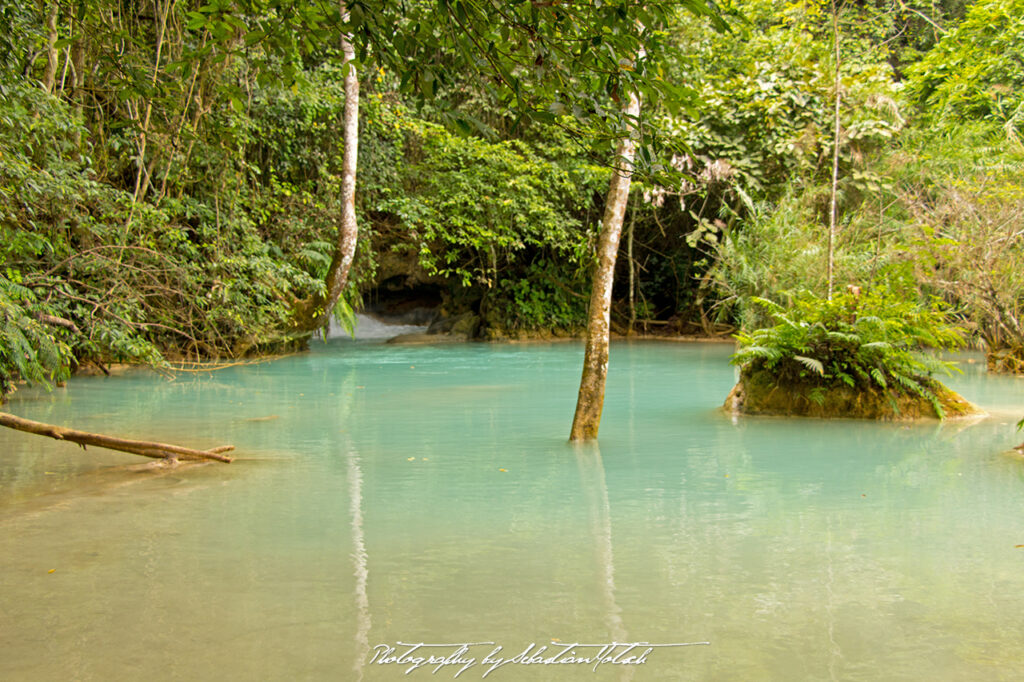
(427, 494)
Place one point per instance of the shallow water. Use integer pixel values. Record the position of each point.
(427, 494)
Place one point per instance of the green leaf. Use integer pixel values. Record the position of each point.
(811, 364)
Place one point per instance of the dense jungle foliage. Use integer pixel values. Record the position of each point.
(170, 174)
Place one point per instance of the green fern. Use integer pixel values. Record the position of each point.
(811, 364)
(869, 321)
(29, 351)
(345, 316)
(871, 341)
(909, 384)
(930, 364)
(765, 353)
(843, 337)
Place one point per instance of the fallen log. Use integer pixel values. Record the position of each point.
(136, 447)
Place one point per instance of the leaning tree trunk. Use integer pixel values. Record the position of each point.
(315, 313)
(595, 361)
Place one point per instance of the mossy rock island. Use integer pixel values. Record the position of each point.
(763, 392)
(860, 354)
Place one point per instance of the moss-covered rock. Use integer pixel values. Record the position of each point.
(760, 392)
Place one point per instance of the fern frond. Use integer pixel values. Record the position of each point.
(751, 353)
(767, 304)
(811, 364)
(844, 337)
(933, 365)
(908, 383)
(869, 321)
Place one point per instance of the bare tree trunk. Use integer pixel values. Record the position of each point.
(135, 447)
(348, 232)
(142, 174)
(314, 314)
(590, 401)
(161, 32)
(180, 127)
(835, 160)
(50, 75)
(78, 80)
(632, 273)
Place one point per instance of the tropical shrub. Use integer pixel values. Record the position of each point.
(959, 194)
(124, 279)
(974, 72)
(864, 340)
(28, 350)
(783, 247)
(506, 224)
(759, 150)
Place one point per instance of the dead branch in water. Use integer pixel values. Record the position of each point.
(214, 366)
(135, 447)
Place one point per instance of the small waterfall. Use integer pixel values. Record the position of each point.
(370, 327)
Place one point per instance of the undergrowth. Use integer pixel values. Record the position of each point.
(865, 340)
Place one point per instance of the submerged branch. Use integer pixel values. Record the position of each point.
(135, 447)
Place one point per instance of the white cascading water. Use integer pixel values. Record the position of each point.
(369, 327)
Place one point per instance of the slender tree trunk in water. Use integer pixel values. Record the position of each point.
(314, 314)
(595, 361)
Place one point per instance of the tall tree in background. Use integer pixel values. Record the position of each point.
(836, 121)
(590, 400)
(314, 313)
